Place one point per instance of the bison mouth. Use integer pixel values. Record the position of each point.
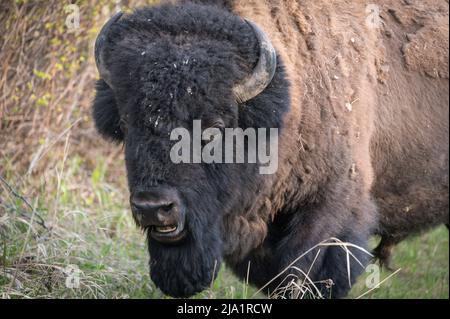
(168, 234)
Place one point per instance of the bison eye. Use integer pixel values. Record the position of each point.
(123, 126)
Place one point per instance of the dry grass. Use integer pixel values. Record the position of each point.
(47, 75)
(86, 224)
(296, 282)
(58, 206)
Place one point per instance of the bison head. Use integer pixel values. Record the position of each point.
(161, 68)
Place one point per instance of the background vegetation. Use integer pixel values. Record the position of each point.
(63, 196)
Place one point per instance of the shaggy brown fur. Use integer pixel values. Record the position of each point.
(381, 93)
(363, 117)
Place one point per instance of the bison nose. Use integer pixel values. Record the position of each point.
(153, 208)
(160, 211)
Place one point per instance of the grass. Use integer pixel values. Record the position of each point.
(424, 264)
(89, 226)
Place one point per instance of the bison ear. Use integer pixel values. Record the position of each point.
(106, 114)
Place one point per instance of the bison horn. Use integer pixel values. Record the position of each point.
(264, 71)
(99, 46)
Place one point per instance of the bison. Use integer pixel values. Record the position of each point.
(359, 94)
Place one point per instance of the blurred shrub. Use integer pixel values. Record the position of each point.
(51, 155)
(47, 76)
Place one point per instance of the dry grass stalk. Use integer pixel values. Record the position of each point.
(299, 284)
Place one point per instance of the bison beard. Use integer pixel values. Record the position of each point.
(187, 269)
(190, 267)
(340, 167)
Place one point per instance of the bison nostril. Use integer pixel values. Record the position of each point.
(152, 206)
(157, 207)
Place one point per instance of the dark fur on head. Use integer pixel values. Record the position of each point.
(171, 65)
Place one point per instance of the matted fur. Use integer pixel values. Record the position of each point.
(363, 125)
